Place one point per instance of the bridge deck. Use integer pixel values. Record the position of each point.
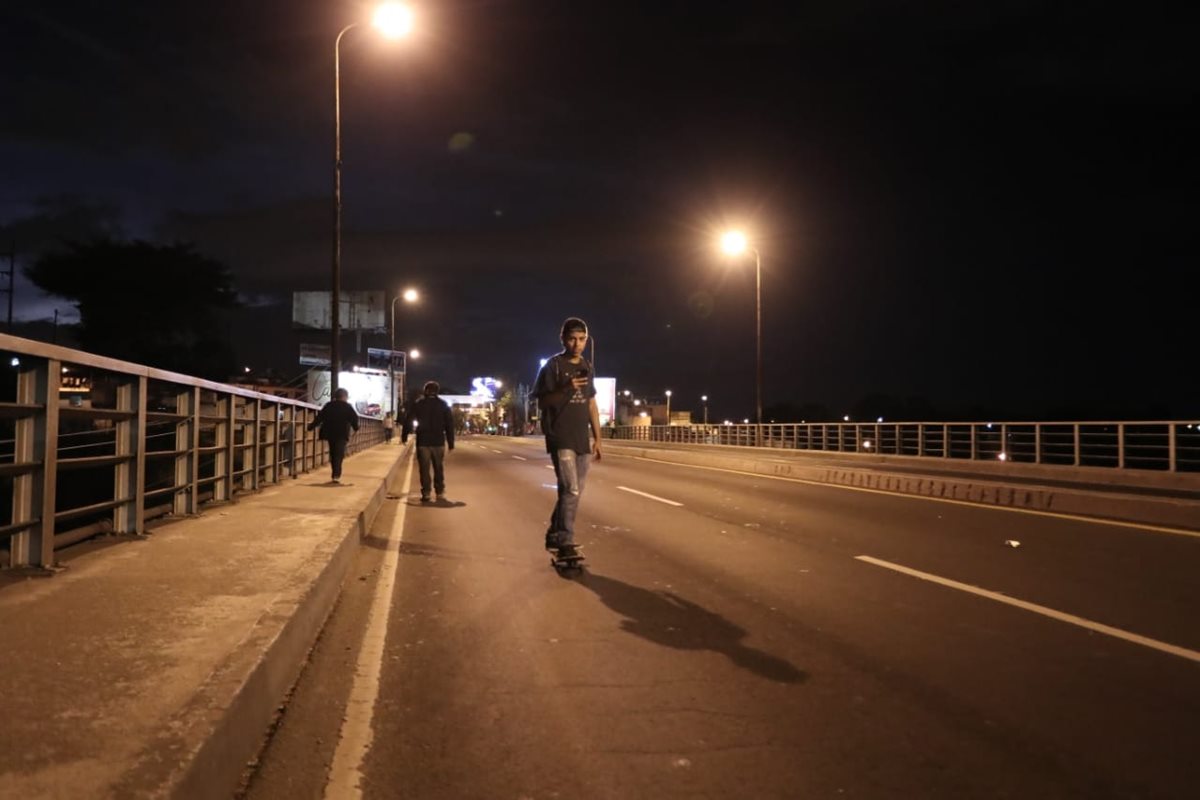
(155, 666)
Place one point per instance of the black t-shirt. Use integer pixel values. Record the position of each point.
(566, 419)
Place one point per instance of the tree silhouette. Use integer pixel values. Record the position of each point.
(152, 304)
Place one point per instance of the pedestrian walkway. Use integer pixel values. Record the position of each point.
(153, 667)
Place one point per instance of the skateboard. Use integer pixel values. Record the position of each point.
(568, 562)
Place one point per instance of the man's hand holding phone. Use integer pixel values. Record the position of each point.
(580, 380)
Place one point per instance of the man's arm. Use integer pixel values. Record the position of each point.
(318, 419)
(406, 425)
(448, 416)
(594, 417)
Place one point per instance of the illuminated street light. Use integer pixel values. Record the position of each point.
(735, 243)
(394, 20)
(704, 399)
(414, 354)
(410, 295)
(668, 393)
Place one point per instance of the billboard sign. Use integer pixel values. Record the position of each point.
(358, 311)
(314, 355)
(379, 354)
(368, 392)
(484, 389)
(606, 398)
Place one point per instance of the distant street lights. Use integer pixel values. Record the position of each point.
(410, 296)
(393, 20)
(734, 243)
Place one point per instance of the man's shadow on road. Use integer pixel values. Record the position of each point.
(416, 503)
(666, 618)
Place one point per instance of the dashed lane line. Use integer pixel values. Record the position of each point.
(1061, 616)
(651, 496)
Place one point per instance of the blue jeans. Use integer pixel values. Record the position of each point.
(571, 470)
(434, 457)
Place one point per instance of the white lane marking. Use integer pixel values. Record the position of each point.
(520, 458)
(549, 466)
(652, 497)
(355, 737)
(1114, 523)
(494, 450)
(1071, 619)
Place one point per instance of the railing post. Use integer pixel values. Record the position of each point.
(129, 475)
(1120, 445)
(223, 458)
(1078, 444)
(1037, 442)
(255, 444)
(36, 437)
(974, 442)
(295, 443)
(1172, 453)
(271, 441)
(187, 443)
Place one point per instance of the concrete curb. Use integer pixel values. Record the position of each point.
(207, 744)
(1098, 502)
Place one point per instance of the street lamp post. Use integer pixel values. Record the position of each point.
(704, 399)
(735, 243)
(394, 20)
(668, 407)
(410, 296)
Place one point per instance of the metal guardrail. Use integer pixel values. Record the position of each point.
(90, 444)
(1169, 446)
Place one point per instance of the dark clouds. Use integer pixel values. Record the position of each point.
(978, 202)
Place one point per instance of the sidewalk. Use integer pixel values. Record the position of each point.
(153, 668)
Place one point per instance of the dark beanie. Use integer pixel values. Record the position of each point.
(573, 324)
(431, 388)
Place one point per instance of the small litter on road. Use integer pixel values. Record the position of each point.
(1011, 543)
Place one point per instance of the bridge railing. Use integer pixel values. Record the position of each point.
(90, 444)
(1164, 446)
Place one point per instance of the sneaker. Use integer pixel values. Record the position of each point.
(337, 480)
(424, 498)
(551, 541)
(567, 551)
(441, 498)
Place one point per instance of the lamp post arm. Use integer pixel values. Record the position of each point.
(335, 297)
(758, 335)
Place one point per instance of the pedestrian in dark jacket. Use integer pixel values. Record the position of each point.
(337, 419)
(433, 422)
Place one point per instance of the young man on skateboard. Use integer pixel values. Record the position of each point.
(567, 400)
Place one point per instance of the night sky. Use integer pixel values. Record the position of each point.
(991, 206)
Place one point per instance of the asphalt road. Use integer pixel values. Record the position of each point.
(750, 638)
